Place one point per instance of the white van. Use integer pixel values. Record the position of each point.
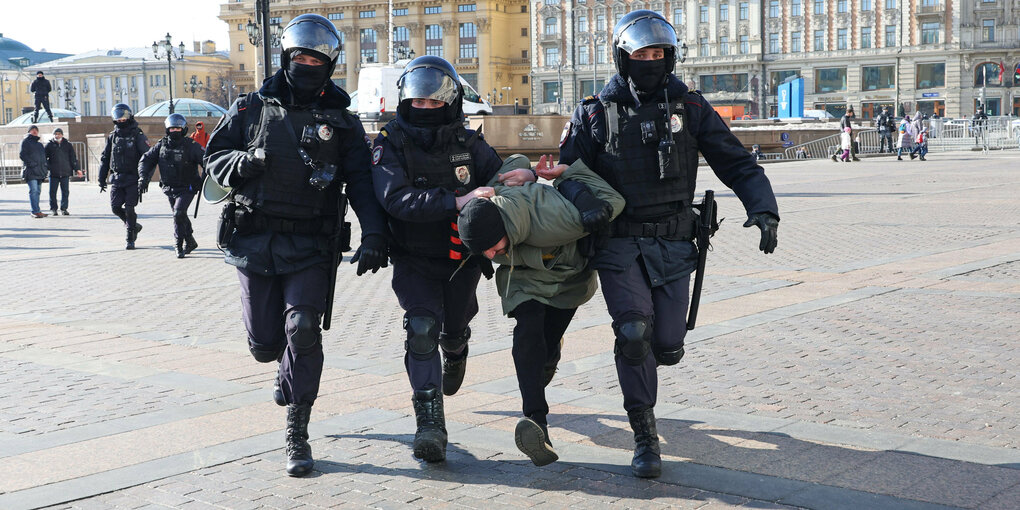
(378, 94)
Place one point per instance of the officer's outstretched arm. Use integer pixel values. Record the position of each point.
(226, 154)
(147, 163)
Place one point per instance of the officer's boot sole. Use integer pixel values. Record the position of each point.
(430, 445)
(646, 465)
(530, 441)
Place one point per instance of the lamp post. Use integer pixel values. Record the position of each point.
(67, 93)
(401, 52)
(193, 85)
(260, 31)
(682, 57)
(169, 53)
(599, 38)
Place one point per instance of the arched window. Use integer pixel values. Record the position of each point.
(551, 26)
(989, 70)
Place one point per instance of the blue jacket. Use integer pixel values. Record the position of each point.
(665, 260)
(33, 155)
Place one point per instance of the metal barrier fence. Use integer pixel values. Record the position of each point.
(10, 161)
(825, 147)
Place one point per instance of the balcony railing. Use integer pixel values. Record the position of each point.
(467, 61)
(938, 8)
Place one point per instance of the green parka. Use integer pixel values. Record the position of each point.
(542, 261)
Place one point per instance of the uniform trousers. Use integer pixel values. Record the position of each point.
(537, 336)
(180, 199)
(629, 296)
(266, 304)
(123, 199)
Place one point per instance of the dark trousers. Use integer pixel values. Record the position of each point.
(630, 297)
(266, 302)
(424, 289)
(43, 102)
(180, 199)
(64, 183)
(537, 336)
(886, 137)
(123, 199)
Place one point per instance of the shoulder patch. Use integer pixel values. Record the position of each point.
(377, 155)
(565, 134)
(590, 99)
(383, 132)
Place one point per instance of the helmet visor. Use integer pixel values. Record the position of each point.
(645, 32)
(428, 83)
(310, 35)
(120, 112)
(175, 120)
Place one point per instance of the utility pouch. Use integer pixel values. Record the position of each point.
(345, 236)
(227, 225)
(669, 163)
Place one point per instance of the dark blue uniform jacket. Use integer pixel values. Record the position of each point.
(667, 260)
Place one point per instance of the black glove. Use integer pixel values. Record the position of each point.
(143, 186)
(102, 187)
(371, 254)
(486, 266)
(251, 166)
(595, 213)
(768, 225)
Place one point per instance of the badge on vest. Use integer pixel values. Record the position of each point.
(377, 155)
(676, 123)
(459, 158)
(325, 132)
(565, 133)
(463, 174)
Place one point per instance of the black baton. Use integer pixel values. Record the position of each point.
(704, 231)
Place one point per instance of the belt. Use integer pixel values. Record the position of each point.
(288, 226)
(671, 227)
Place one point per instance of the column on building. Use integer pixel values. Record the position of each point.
(77, 95)
(93, 105)
(382, 42)
(142, 90)
(352, 50)
(108, 82)
(487, 66)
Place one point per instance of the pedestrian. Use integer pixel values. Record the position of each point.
(978, 123)
(845, 144)
(801, 153)
(178, 158)
(846, 121)
(41, 87)
(886, 126)
(906, 137)
(426, 166)
(756, 152)
(285, 152)
(62, 163)
(537, 233)
(124, 148)
(200, 135)
(33, 158)
(920, 145)
(645, 268)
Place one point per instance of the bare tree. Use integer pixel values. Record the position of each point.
(224, 90)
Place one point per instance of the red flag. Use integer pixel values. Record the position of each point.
(1002, 69)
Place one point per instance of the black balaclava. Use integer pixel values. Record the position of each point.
(305, 81)
(647, 76)
(175, 136)
(427, 117)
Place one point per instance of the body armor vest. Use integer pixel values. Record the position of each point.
(450, 166)
(125, 152)
(175, 169)
(283, 190)
(631, 159)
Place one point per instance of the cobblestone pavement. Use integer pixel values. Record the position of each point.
(871, 362)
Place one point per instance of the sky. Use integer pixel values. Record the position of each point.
(76, 26)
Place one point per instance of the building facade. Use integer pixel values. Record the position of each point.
(487, 41)
(16, 96)
(91, 83)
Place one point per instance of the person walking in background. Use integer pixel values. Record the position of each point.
(178, 159)
(845, 144)
(906, 137)
(846, 121)
(124, 147)
(62, 162)
(41, 87)
(886, 126)
(33, 157)
(200, 135)
(920, 145)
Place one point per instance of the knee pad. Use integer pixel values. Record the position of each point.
(264, 355)
(633, 340)
(303, 330)
(422, 337)
(454, 343)
(668, 358)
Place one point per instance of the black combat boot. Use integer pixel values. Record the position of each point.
(299, 452)
(532, 439)
(132, 234)
(179, 248)
(190, 244)
(647, 462)
(430, 438)
(454, 365)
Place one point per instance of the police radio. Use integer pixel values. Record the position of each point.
(668, 163)
(322, 173)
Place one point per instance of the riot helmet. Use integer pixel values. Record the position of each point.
(431, 77)
(315, 36)
(643, 29)
(121, 112)
(176, 120)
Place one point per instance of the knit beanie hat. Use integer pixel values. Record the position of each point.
(58, 130)
(33, 126)
(480, 225)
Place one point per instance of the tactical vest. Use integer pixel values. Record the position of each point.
(175, 168)
(124, 151)
(283, 190)
(630, 161)
(451, 167)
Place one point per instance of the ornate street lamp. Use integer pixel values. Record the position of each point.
(193, 85)
(261, 31)
(402, 52)
(67, 93)
(166, 47)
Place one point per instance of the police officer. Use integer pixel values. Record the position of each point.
(426, 166)
(179, 177)
(886, 126)
(124, 148)
(642, 133)
(284, 151)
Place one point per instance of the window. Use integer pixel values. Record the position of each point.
(865, 37)
(773, 42)
(524, 80)
(240, 26)
(240, 67)
(524, 54)
(401, 35)
(795, 8)
(342, 58)
(524, 32)
(276, 60)
(989, 70)
(240, 47)
(102, 106)
(471, 95)
(600, 56)
(724, 12)
(724, 45)
(552, 2)
(339, 15)
(434, 40)
(890, 36)
(703, 13)
(723, 82)
(468, 40)
(86, 110)
(582, 23)
(890, 4)
(550, 91)
(342, 83)
(600, 22)
(366, 14)
(583, 55)
(275, 20)
(678, 16)
(988, 30)
(796, 45)
(588, 90)
(819, 40)
(773, 8)
(831, 79)
(551, 26)
(552, 56)
(745, 45)
(745, 11)
(776, 78)
(866, 5)
(369, 53)
(841, 6)
(878, 77)
(396, 12)
(703, 49)
(931, 76)
(930, 33)
(434, 10)
(841, 39)
(466, 8)
(819, 7)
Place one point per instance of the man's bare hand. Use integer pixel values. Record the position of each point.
(546, 170)
(483, 192)
(517, 177)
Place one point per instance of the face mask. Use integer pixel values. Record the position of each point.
(427, 117)
(305, 80)
(176, 136)
(647, 75)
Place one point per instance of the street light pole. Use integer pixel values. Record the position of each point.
(166, 45)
